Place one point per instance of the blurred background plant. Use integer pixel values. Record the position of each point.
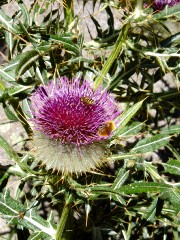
(136, 195)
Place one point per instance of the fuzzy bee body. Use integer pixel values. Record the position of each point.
(87, 100)
(106, 129)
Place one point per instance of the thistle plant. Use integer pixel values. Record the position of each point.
(93, 111)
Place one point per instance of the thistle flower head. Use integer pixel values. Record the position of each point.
(160, 4)
(71, 122)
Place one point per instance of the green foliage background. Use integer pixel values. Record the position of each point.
(138, 195)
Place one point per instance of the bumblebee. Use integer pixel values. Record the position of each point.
(106, 129)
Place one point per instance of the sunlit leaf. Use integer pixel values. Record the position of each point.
(17, 89)
(174, 198)
(15, 212)
(173, 129)
(152, 170)
(151, 144)
(7, 22)
(141, 187)
(10, 42)
(7, 75)
(118, 198)
(66, 41)
(39, 235)
(121, 156)
(170, 40)
(8, 149)
(126, 116)
(121, 178)
(10, 114)
(25, 32)
(14, 156)
(26, 108)
(168, 12)
(25, 14)
(27, 60)
(172, 166)
(150, 213)
(131, 129)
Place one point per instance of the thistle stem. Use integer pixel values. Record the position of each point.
(139, 4)
(114, 54)
(62, 222)
(138, 9)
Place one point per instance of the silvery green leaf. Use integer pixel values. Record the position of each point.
(15, 213)
(151, 144)
(172, 166)
(126, 116)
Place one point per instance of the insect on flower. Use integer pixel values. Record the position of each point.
(71, 122)
(106, 129)
(87, 100)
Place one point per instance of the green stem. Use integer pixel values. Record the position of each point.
(63, 219)
(138, 9)
(139, 4)
(68, 12)
(114, 54)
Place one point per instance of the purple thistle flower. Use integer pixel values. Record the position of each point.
(71, 122)
(160, 4)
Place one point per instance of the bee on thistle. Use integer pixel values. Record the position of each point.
(107, 129)
(87, 100)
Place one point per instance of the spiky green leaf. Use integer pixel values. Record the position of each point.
(27, 60)
(121, 178)
(144, 187)
(172, 166)
(151, 144)
(15, 212)
(126, 116)
(168, 12)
